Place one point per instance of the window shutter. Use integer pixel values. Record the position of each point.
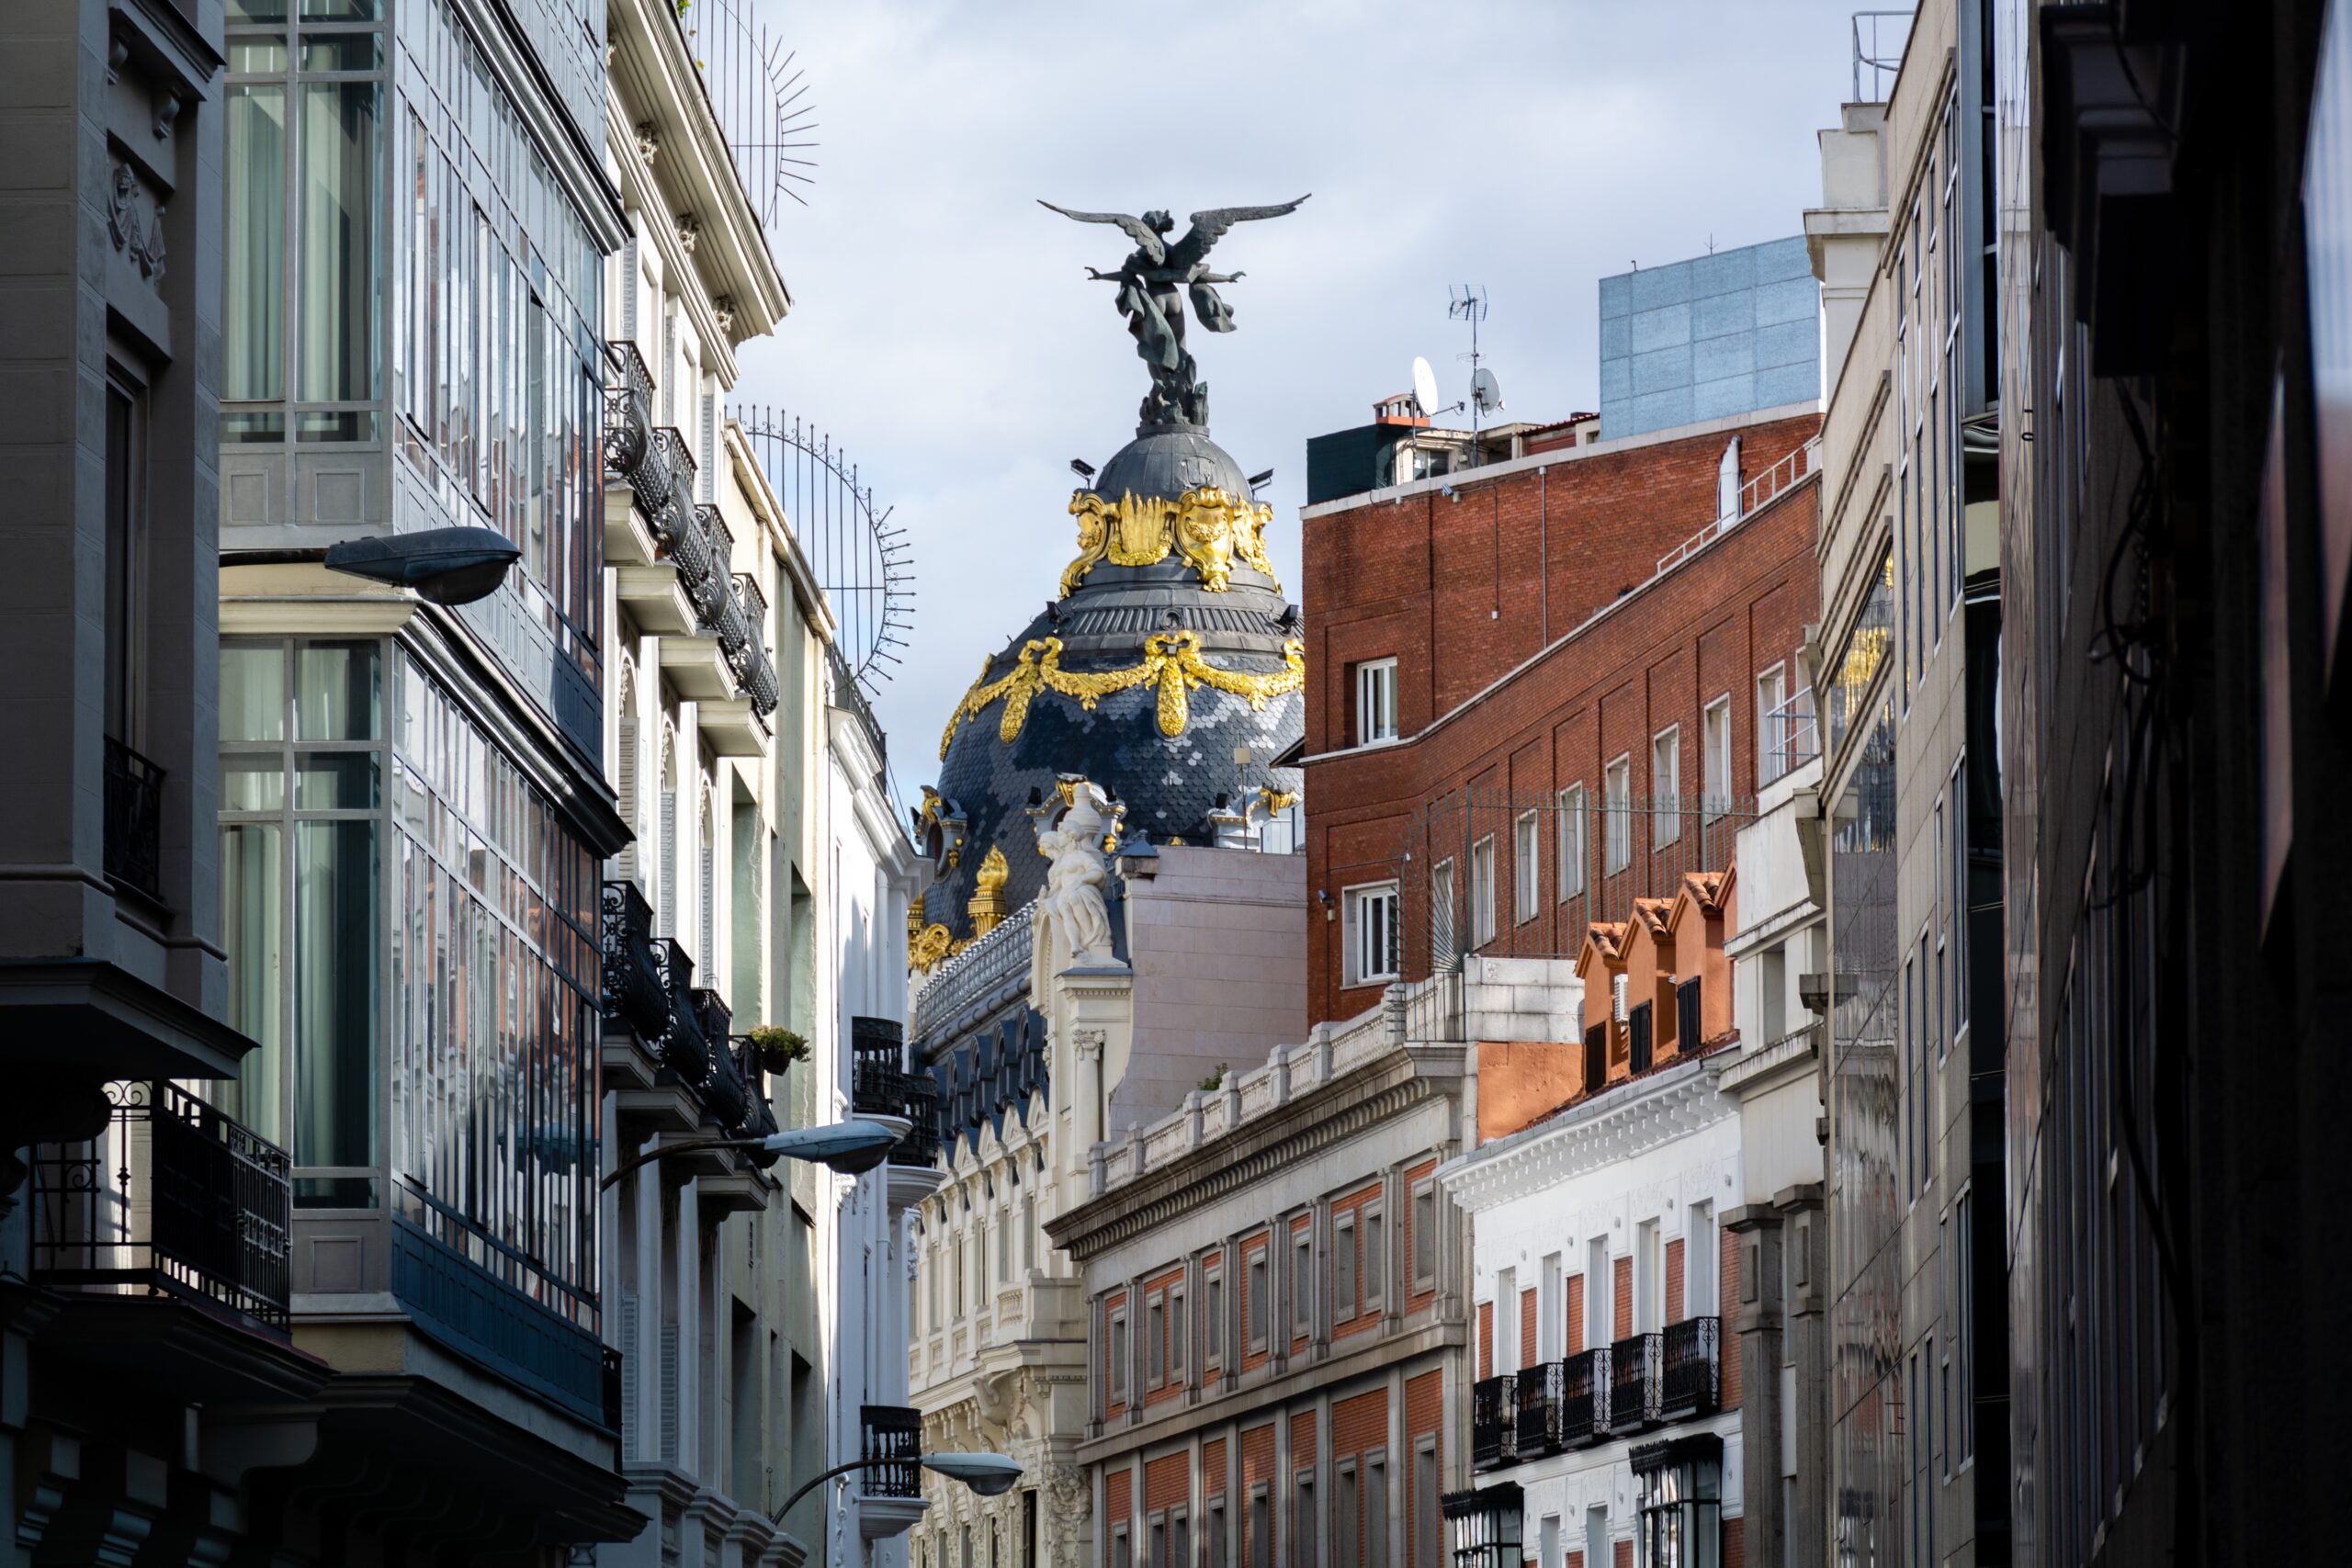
(625, 784)
(669, 890)
(669, 1393)
(629, 1359)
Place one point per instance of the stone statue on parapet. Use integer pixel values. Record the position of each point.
(1072, 905)
(1153, 282)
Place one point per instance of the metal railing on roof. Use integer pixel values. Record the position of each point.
(1879, 38)
(974, 974)
(1753, 496)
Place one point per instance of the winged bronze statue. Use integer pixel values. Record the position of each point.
(1153, 282)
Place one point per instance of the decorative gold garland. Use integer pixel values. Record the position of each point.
(1210, 528)
(1172, 658)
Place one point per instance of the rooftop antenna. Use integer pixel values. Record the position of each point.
(1467, 303)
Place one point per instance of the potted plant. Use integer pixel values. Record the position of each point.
(779, 1047)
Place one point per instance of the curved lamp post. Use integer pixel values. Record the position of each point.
(991, 1476)
(852, 1147)
(448, 566)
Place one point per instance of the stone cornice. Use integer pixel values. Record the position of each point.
(1633, 1119)
(1379, 1089)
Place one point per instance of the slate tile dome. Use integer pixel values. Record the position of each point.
(1169, 784)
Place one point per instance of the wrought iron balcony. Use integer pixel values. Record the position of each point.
(878, 1077)
(1494, 1422)
(754, 671)
(134, 825)
(1538, 1427)
(1636, 1397)
(893, 1444)
(920, 1145)
(1584, 1397)
(1693, 1377)
(726, 1098)
(685, 1050)
(628, 409)
(759, 1117)
(714, 592)
(633, 990)
(173, 1199)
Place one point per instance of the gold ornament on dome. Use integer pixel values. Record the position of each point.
(1210, 528)
(987, 908)
(1171, 659)
(932, 947)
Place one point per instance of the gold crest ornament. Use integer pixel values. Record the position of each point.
(1210, 528)
(987, 908)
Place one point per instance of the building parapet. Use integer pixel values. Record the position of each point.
(972, 980)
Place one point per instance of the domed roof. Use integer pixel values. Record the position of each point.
(1168, 647)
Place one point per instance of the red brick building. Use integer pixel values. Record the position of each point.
(1618, 618)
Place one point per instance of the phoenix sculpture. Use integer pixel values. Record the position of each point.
(1153, 282)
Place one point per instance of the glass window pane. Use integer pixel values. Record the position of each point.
(338, 781)
(340, 697)
(252, 690)
(335, 1030)
(341, 51)
(256, 11)
(253, 316)
(253, 891)
(335, 10)
(253, 784)
(340, 181)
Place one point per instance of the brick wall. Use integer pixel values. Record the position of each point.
(1727, 1300)
(1359, 1424)
(1485, 1340)
(1622, 1553)
(1166, 1481)
(1118, 1498)
(1531, 1342)
(1213, 1468)
(1676, 1296)
(1623, 1268)
(1257, 1469)
(1734, 1552)
(1424, 1413)
(1464, 591)
(1574, 1340)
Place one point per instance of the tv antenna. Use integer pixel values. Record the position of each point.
(1467, 303)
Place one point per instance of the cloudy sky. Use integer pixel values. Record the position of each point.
(946, 333)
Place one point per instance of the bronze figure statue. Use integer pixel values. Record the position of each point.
(1152, 283)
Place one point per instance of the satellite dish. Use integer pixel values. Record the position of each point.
(1485, 391)
(1424, 384)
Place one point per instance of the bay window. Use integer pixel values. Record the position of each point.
(1678, 1490)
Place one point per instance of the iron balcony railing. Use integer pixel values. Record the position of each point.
(893, 1446)
(134, 823)
(1637, 1398)
(633, 990)
(1494, 1436)
(920, 1145)
(1539, 1409)
(726, 1098)
(974, 978)
(759, 1120)
(173, 1198)
(1584, 1397)
(686, 1050)
(1692, 1381)
(714, 596)
(754, 671)
(628, 409)
(877, 1075)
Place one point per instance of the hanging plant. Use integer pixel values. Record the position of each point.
(779, 1047)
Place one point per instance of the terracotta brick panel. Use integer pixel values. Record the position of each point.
(1485, 1340)
(1727, 1298)
(1675, 1295)
(1622, 1553)
(1166, 1481)
(1575, 1559)
(1302, 1439)
(1118, 1491)
(1213, 1468)
(1734, 1543)
(1574, 1340)
(1257, 1468)
(1359, 1424)
(1424, 1413)
(1530, 1327)
(1623, 1268)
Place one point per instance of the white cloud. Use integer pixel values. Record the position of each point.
(946, 333)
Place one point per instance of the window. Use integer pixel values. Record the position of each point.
(1302, 1283)
(1262, 1528)
(1597, 1330)
(1551, 1308)
(1424, 1235)
(1572, 841)
(1375, 701)
(1118, 1349)
(1666, 785)
(126, 560)
(1253, 1292)
(1509, 1352)
(1715, 728)
(1596, 1538)
(1429, 1533)
(1525, 865)
(1376, 1255)
(1343, 1270)
(1368, 916)
(1617, 799)
(1482, 892)
(1213, 1331)
(1680, 1499)
(1375, 1510)
(1121, 1557)
(1727, 482)
(1347, 1512)
(1649, 1271)
(1303, 1522)
(1155, 1341)
(1180, 1538)
(1444, 934)
(1547, 1537)
(1964, 1321)
(1217, 1558)
(1773, 742)
(1176, 1321)
(1699, 1263)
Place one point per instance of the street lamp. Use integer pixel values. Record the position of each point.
(448, 566)
(852, 1147)
(991, 1476)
